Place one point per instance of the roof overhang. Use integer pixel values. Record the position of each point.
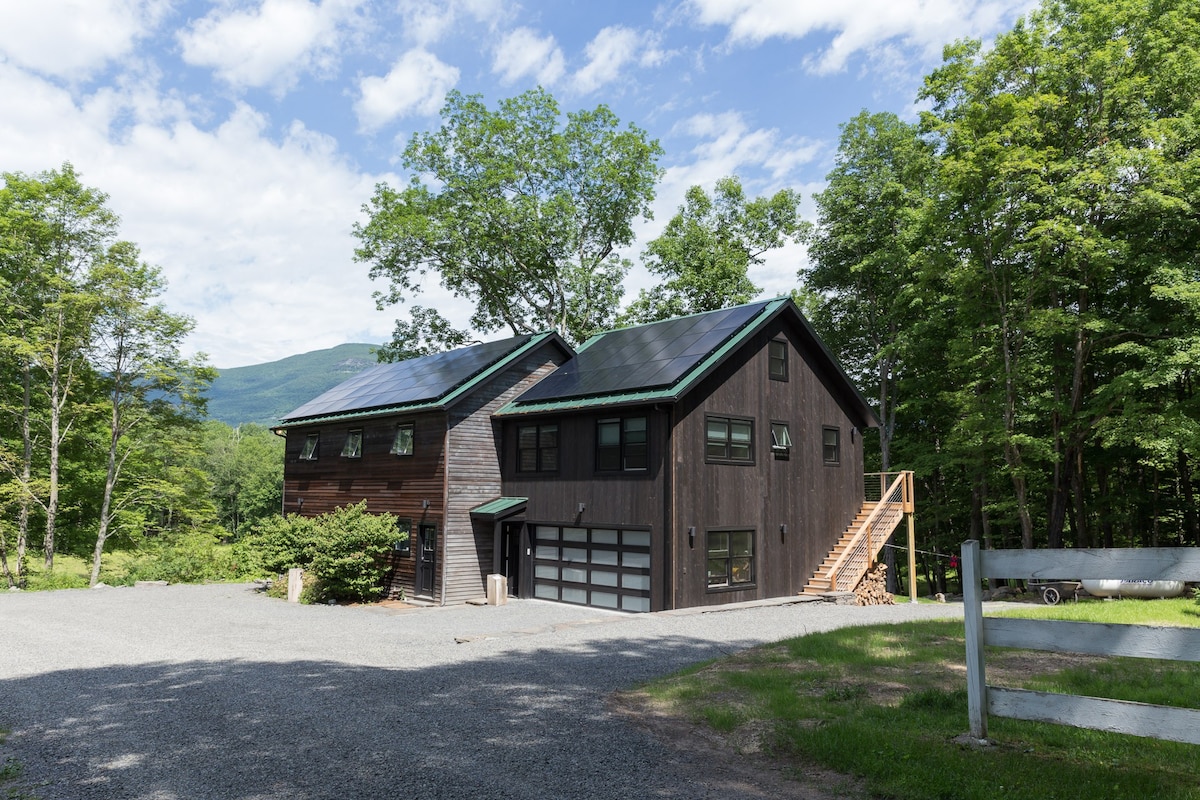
(498, 509)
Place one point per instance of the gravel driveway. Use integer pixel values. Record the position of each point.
(219, 692)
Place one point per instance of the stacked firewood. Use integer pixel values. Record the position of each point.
(872, 589)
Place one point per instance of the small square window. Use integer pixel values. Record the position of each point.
(311, 443)
(730, 557)
(402, 445)
(537, 448)
(831, 445)
(777, 357)
(353, 446)
(781, 438)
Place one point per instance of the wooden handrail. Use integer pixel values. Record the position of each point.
(897, 495)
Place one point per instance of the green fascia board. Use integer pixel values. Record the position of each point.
(442, 403)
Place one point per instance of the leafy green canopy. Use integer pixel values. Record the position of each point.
(705, 252)
(514, 211)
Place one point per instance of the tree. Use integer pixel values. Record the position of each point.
(522, 216)
(705, 252)
(1067, 186)
(869, 229)
(245, 465)
(135, 349)
(53, 232)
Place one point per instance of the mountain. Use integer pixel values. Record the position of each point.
(263, 393)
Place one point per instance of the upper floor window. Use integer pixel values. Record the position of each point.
(831, 445)
(402, 445)
(622, 443)
(309, 451)
(353, 446)
(537, 448)
(777, 357)
(781, 437)
(729, 439)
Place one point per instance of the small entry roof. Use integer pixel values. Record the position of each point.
(499, 508)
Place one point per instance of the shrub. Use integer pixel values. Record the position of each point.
(343, 550)
(189, 557)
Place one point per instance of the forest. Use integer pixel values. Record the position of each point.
(1013, 280)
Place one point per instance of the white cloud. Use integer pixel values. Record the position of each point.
(73, 38)
(607, 54)
(523, 53)
(427, 22)
(418, 82)
(861, 26)
(251, 225)
(269, 45)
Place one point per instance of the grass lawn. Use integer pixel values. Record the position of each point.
(887, 705)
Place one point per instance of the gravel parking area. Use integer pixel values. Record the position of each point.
(219, 692)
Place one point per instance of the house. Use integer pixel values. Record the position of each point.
(708, 459)
(417, 439)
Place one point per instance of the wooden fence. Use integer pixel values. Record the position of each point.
(1137, 641)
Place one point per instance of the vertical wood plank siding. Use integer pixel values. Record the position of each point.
(610, 499)
(816, 501)
(473, 474)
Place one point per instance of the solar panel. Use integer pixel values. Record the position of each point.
(416, 380)
(650, 356)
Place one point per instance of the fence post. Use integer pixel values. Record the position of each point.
(973, 621)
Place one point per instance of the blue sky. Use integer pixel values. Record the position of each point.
(238, 139)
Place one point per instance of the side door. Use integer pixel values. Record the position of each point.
(426, 558)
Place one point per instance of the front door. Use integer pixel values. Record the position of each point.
(426, 558)
(511, 555)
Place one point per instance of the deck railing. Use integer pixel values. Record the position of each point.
(892, 496)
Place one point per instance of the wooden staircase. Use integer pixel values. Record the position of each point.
(859, 545)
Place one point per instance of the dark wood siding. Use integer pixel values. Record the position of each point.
(389, 483)
(610, 499)
(813, 500)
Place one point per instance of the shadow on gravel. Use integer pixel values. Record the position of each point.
(520, 725)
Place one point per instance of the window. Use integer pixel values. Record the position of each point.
(622, 444)
(309, 451)
(729, 439)
(403, 544)
(537, 448)
(831, 445)
(730, 558)
(777, 357)
(402, 445)
(781, 438)
(353, 446)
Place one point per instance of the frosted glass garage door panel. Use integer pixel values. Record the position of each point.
(636, 538)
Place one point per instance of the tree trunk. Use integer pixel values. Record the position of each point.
(1191, 520)
(110, 481)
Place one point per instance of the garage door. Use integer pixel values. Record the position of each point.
(602, 567)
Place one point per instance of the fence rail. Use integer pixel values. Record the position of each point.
(1136, 641)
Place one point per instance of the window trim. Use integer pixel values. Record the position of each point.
(836, 461)
(411, 427)
(728, 458)
(623, 445)
(782, 359)
(353, 447)
(730, 585)
(539, 450)
(311, 453)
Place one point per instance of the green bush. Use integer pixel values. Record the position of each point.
(192, 557)
(343, 550)
(55, 579)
